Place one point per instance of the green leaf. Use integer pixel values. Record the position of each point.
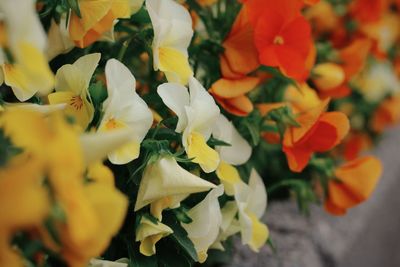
(180, 236)
(181, 215)
(216, 142)
(74, 5)
(98, 93)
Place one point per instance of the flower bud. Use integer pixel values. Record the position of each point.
(327, 76)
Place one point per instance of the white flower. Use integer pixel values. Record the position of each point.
(165, 184)
(251, 201)
(173, 31)
(26, 39)
(124, 109)
(197, 114)
(229, 226)
(207, 219)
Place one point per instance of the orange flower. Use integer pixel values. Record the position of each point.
(283, 40)
(319, 131)
(282, 36)
(97, 18)
(356, 180)
(387, 114)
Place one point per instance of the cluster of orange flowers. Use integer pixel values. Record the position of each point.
(285, 34)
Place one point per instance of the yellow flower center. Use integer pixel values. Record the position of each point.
(76, 102)
(279, 40)
(113, 124)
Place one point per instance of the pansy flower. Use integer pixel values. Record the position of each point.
(319, 131)
(354, 182)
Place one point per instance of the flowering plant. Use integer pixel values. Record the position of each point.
(148, 132)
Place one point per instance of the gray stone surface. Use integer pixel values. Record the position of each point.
(368, 236)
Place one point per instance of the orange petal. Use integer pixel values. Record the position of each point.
(340, 195)
(239, 106)
(307, 121)
(360, 176)
(240, 52)
(227, 88)
(337, 92)
(297, 157)
(333, 209)
(338, 120)
(353, 57)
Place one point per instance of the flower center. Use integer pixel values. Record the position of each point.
(113, 124)
(279, 40)
(76, 102)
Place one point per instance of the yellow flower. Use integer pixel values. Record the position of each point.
(149, 233)
(109, 208)
(173, 31)
(53, 150)
(197, 114)
(98, 17)
(72, 83)
(24, 203)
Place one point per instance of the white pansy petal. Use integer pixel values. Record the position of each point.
(76, 77)
(175, 97)
(109, 141)
(228, 214)
(87, 65)
(203, 230)
(119, 78)
(205, 109)
(258, 198)
(68, 78)
(240, 151)
(23, 23)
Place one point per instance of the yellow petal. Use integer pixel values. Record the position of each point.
(175, 65)
(260, 233)
(149, 234)
(78, 107)
(30, 74)
(229, 176)
(100, 173)
(204, 155)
